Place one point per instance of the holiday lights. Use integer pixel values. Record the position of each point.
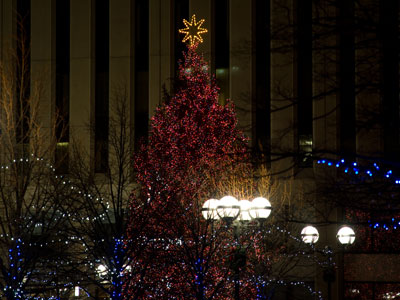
(192, 136)
(19, 286)
(355, 169)
(367, 173)
(193, 31)
(29, 228)
(262, 283)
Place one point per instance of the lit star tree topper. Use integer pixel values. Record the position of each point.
(193, 31)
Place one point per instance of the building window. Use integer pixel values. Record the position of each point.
(221, 23)
(62, 84)
(388, 34)
(101, 84)
(261, 82)
(141, 114)
(304, 82)
(346, 76)
(181, 11)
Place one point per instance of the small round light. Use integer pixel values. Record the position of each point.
(309, 235)
(260, 208)
(346, 235)
(209, 210)
(244, 210)
(228, 208)
(102, 270)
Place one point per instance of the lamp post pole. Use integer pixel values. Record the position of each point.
(235, 213)
(237, 261)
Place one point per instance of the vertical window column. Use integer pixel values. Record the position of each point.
(141, 114)
(181, 11)
(62, 84)
(388, 32)
(221, 23)
(261, 84)
(304, 82)
(101, 84)
(347, 119)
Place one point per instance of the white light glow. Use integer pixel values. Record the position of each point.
(346, 235)
(244, 215)
(260, 208)
(209, 210)
(228, 208)
(102, 270)
(76, 291)
(309, 235)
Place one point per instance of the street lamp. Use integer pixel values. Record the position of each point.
(235, 212)
(229, 209)
(345, 236)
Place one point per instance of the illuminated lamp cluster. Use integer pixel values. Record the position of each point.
(230, 209)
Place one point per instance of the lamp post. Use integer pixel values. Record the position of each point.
(235, 213)
(345, 236)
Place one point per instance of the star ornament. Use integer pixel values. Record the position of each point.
(193, 31)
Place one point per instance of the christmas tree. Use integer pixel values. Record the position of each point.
(193, 140)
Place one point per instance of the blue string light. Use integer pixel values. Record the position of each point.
(117, 273)
(354, 169)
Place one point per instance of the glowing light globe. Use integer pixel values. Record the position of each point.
(309, 235)
(228, 208)
(260, 208)
(244, 215)
(209, 210)
(346, 235)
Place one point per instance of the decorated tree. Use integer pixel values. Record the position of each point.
(192, 141)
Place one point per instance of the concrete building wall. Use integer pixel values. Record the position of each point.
(7, 26)
(43, 60)
(121, 75)
(82, 73)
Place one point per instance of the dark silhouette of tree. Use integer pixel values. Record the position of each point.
(33, 256)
